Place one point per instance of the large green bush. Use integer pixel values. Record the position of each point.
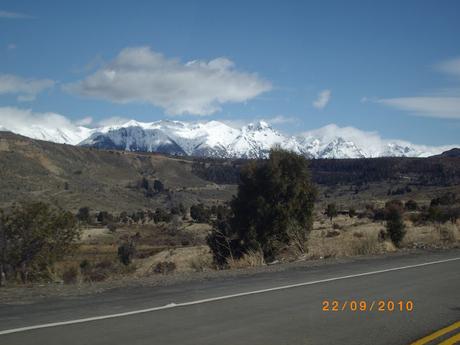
(273, 208)
(33, 236)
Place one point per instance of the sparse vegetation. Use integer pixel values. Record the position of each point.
(270, 219)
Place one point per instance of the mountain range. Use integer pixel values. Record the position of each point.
(220, 140)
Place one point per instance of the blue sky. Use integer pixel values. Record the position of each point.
(388, 66)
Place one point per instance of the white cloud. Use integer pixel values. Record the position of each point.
(370, 142)
(13, 15)
(323, 99)
(26, 89)
(86, 121)
(196, 87)
(42, 125)
(112, 121)
(451, 66)
(11, 46)
(280, 119)
(443, 103)
(442, 107)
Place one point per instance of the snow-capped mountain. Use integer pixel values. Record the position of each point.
(217, 139)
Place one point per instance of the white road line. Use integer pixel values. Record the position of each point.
(212, 299)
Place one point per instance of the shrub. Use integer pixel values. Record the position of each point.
(447, 235)
(85, 265)
(97, 272)
(70, 275)
(331, 211)
(112, 227)
(442, 214)
(104, 217)
(382, 236)
(199, 213)
(411, 205)
(378, 214)
(446, 199)
(158, 186)
(273, 208)
(161, 215)
(333, 233)
(395, 225)
(351, 212)
(83, 215)
(126, 252)
(35, 236)
(165, 267)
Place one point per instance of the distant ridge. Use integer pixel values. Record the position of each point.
(455, 152)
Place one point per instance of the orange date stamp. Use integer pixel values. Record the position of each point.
(368, 306)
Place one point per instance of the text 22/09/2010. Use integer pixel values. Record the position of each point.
(366, 306)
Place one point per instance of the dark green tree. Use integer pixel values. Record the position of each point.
(395, 224)
(126, 252)
(351, 212)
(331, 211)
(273, 208)
(158, 186)
(200, 213)
(35, 236)
(83, 215)
(411, 205)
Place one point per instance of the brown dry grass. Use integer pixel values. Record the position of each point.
(186, 259)
(251, 259)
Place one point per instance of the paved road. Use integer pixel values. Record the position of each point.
(290, 315)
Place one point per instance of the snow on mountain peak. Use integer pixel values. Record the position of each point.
(217, 139)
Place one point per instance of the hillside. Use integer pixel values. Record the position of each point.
(74, 176)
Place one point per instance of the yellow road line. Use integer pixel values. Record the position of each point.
(452, 340)
(438, 334)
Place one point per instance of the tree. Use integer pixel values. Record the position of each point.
(104, 217)
(351, 212)
(394, 224)
(144, 184)
(161, 215)
(331, 211)
(200, 213)
(35, 236)
(126, 252)
(158, 186)
(83, 215)
(273, 208)
(411, 205)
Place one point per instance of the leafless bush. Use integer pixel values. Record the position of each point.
(165, 267)
(70, 275)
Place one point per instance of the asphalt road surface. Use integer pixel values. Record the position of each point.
(283, 307)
